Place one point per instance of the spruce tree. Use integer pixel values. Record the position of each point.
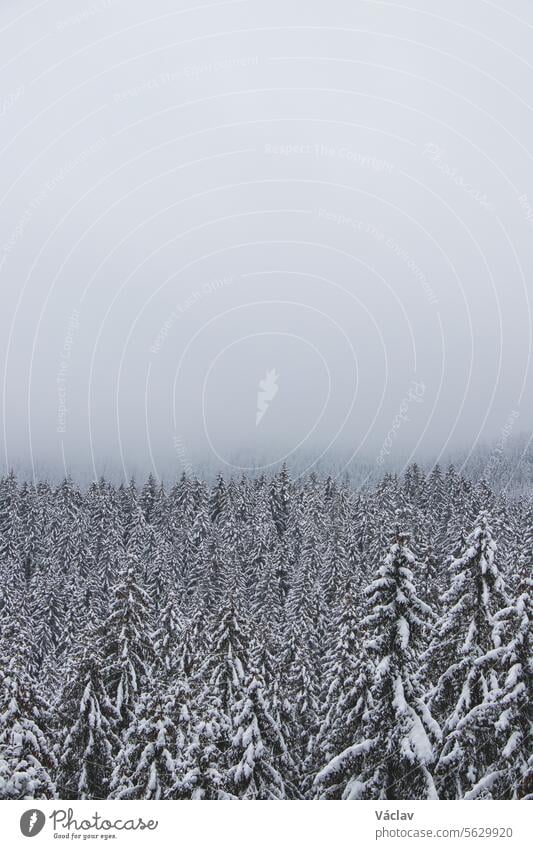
(125, 644)
(462, 648)
(202, 776)
(507, 709)
(393, 755)
(255, 747)
(89, 743)
(27, 759)
(145, 767)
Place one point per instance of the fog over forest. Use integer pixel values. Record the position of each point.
(239, 233)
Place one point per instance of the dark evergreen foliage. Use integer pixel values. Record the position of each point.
(268, 638)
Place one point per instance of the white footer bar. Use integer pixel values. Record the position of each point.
(232, 825)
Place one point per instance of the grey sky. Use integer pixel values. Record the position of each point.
(195, 195)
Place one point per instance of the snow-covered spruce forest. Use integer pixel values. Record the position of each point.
(265, 638)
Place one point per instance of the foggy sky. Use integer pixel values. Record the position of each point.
(325, 209)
